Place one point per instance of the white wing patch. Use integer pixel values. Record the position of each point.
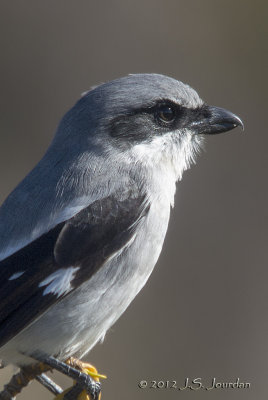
(59, 282)
(16, 275)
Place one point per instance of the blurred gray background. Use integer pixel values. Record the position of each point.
(203, 312)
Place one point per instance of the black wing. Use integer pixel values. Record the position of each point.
(84, 242)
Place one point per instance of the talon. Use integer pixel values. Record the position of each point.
(87, 368)
(92, 371)
(76, 391)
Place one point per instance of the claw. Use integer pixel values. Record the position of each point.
(78, 391)
(87, 368)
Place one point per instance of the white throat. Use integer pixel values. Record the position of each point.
(166, 158)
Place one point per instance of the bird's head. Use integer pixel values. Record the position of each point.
(150, 119)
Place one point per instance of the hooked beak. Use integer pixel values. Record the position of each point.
(212, 120)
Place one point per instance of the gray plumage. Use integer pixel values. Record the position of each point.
(115, 153)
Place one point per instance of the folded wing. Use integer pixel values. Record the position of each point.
(57, 263)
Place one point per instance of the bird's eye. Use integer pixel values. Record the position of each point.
(166, 114)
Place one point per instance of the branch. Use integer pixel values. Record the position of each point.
(26, 374)
(20, 380)
(49, 384)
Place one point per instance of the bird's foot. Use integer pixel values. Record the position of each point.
(87, 368)
(77, 391)
(83, 380)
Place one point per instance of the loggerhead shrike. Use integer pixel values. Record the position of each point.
(81, 234)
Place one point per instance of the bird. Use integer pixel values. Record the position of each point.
(82, 232)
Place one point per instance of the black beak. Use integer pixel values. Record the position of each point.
(212, 120)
